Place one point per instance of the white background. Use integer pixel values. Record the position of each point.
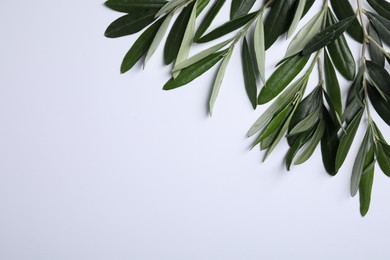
(98, 165)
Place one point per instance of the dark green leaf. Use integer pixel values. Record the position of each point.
(249, 74)
(240, 8)
(130, 6)
(366, 182)
(208, 19)
(275, 123)
(201, 5)
(192, 72)
(381, 25)
(276, 22)
(353, 105)
(382, 7)
(140, 47)
(347, 139)
(340, 53)
(381, 106)
(376, 54)
(329, 142)
(327, 36)
(332, 85)
(131, 23)
(226, 28)
(309, 4)
(379, 76)
(282, 77)
(298, 142)
(343, 9)
(383, 156)
(175, 36)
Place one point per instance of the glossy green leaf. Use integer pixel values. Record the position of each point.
(382, 7)
(200, 6)
(218, 80)
(366, 181)
(130, 24)
(332, 85)
(276, 21)
(329, 142)
(298, 142)
(140, 46)
(170, 6)
(175, 36)
(240, 8)
(130, 6)
(353, 106)
(381, 25)
(259, 46)
(313, 143)
(343, 9)
(282, 77)
(382, 107)
(192, 72)
(308, 122)
(275, 123)
(226, 28)
(347, 139)
(376, 54)
(360, 159)
(249, 74)
(297, 17)
(379, 77)
(341, 54)
(208, 19)
(327, 36)
(383, 156)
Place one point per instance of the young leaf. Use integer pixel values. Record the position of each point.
(382, 7)
(376, 54)
(358, 166)
(130, 24)
(316, 138)
(192, 72)
(332, 85)
(218, 80)
(297, 17)
(140, 47)
(240, 8)
(208, 19)
(366, 182)
(381, 25)
(347, 139)
(249, 74)
(259, 46)
(175, 36)
(327, 36)
(131, 6)
(282, 77)
(343, 9)
(226, 28)
(276, 21)
(340, 53)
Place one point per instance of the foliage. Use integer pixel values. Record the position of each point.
(307, 120)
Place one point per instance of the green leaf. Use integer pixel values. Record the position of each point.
(379, 77)
(170, 6)
(249, 74)
(381, 106)
(299, 141)
(341, 54)
(282, 77)
(240, 8)
(200, 6)
(347, 139)
(343, 9)
(130, 6)
(383, 156)
(306, 123)
(382, 7)
(130, 24)
(187, 40)
(275, 123)
(353, 106)
(297, 17)
(140, 46)
(208, 19)
(276, 21)
(218, 80)
(358, 166)
(366, 181)
(329, 142)
(332, 85)
(327, 36)
(259, 46)
(381, 25)
(315, 139)
(280, 102)
(226, 28)
(305, 34)
(175, 36)
(376, 54)
(192, 72)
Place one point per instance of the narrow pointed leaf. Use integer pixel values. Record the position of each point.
(332, 85)
(306, 123)
(381, 25)
(382, 107)
(200, 6)
(297, 17)
(249, 74)
(130, 6)
(366, 182)
(170, 6)
(376, 54)
(208, 19)
(382, 7)
(379, 76)
(276, 21)
(299, 141)
(329, 142)
(240, 8)
(313, 143)
(276, 122)
(383, 156)
(259, 46)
